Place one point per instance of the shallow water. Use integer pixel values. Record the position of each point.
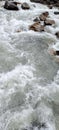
(29, 75)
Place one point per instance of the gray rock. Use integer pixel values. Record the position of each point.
(10, 5)
(25, 6)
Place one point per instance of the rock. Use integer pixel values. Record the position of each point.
(49, 22)
(10, 5)
(14, 2)
(36, 1)
(54, 52)
(36, 19)
(57, 13)
(37, 27)
(50, 6)
(57, 52)
(43, 16)
(19, 31)
(57, 34)
(47, 2)
(25, 6)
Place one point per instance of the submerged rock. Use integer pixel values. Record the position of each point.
(10, 5)
(25, 6)
(37, 27)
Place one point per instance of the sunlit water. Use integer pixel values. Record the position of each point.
(29, 76)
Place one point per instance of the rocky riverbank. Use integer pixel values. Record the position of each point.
(40, 22)
(29, 76)
(47, 2)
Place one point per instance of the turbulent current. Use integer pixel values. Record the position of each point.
(29, 75)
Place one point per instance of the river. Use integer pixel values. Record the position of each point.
(29, 75)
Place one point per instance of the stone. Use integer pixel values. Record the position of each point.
(14, 2)
(25, 6)
(10, 5)
(50, 6)
(56, 13)
(57, 52)
(36, 1)
(57, 34)
(43, 16)
(54, 52)
(49, 22)
(36, 19)
(37, 27)
(19, 31)
(47, 2)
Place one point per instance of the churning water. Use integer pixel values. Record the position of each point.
(29, 76)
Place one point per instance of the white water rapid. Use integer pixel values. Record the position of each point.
(29, 75)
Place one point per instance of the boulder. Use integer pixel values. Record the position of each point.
(43, 16)
(10, 5)
(49, 22)
(37, 27)
(57, 34)
(25, 6)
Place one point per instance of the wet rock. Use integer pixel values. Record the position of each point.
(36, 19)
(19, 31)
(43, 16)
(54, 52)
(50, 6)
(16, 2)
(11, 5)
(36, 1)
(57, 52)
(37, 27)
(57, 34)
(47, 2)
(56, 13)
(25, 6)
(38, 124)
(49, 22)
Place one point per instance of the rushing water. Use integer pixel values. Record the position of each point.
(29, 75)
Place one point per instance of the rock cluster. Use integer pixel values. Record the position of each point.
(47, 2)
(11, 5)
(40, 21)
(38, 26)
